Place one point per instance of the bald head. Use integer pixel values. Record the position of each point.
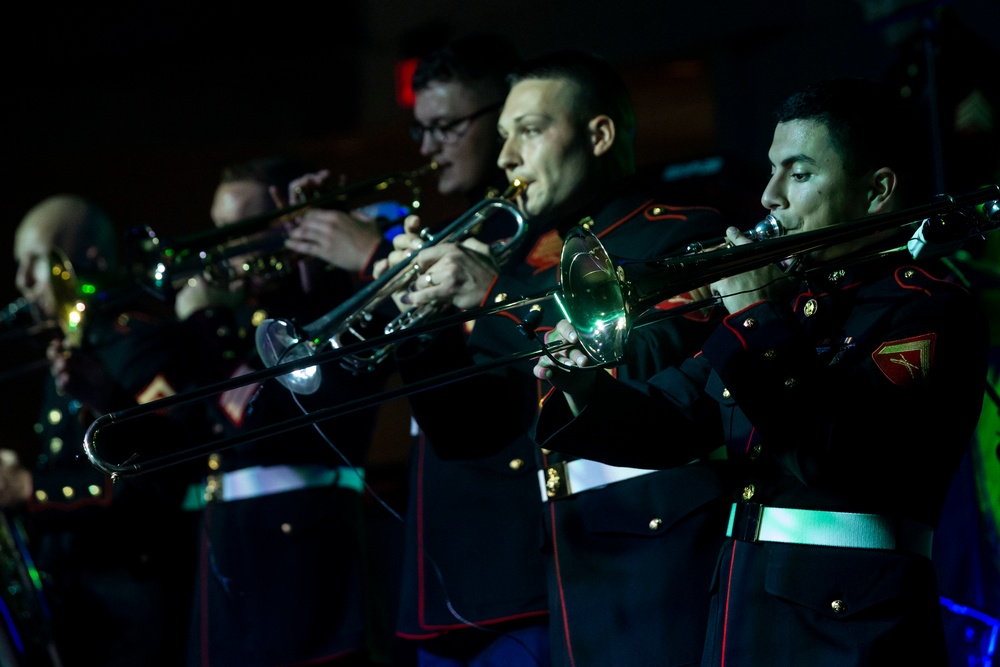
(78, 228)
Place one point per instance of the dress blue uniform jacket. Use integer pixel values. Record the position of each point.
(593, 562)
(282, 577)
(857, 397)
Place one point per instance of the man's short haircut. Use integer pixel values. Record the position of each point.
(600, 89)
(276, 170)
(480, 61)
(80, 228)
(869, 125)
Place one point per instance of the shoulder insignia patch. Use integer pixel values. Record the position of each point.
(547, 251)
(158, 388)
(907, 361)
(234, 403)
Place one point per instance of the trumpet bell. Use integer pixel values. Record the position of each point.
(279, 342)
(67, 292)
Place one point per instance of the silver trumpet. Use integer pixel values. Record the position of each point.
(281, 341)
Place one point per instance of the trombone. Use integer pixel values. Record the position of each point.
(604, 298)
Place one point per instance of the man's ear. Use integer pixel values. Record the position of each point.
(881, 191)
(602, 134)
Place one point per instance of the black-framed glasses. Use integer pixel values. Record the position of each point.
(446, 133)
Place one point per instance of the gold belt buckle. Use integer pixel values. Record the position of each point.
(557, 481)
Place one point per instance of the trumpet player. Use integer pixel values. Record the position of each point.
(615, 542)
(282, 573)
(834, 395)
(112, 559)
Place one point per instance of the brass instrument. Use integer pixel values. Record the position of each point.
(71, 299)
(602, 297)
(166, 264)
(279, 340)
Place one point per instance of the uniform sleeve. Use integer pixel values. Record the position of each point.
(886, 409)
(662, 423)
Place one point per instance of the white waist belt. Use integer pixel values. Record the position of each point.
(259, 481)
(568, 477)
(757, 523)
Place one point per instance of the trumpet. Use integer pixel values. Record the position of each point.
(279, 340)
(165, 264)
(603, 298)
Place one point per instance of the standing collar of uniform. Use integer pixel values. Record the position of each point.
(612, 202)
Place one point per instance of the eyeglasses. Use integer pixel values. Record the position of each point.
(446, 133)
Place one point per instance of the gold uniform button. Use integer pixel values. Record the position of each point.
(500, 298)
(654, 524)
(748, 491)
(770, 354)
(810, 308)
(749, 323)
(791, 383)
(67, 492)
(725, 393)
(214, 461)
(41, 496)
(656, 210)
(258, 317)
(838, 606)
(908, 273)
(515, 464)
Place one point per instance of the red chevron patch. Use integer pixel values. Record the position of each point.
(906, 362)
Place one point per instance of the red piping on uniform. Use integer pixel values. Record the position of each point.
(736, 332)
(489, 290)
(725, 613)
(420, 530)
(627, 217)
(753, 430)
(562, 597)
(915, 287)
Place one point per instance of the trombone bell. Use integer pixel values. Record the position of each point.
(591, 297)
(278, 342)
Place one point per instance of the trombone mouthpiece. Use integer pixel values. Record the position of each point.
(768, 228)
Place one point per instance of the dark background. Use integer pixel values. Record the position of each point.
(139, 107)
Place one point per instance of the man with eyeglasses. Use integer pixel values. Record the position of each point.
(455, 115)
(472, 571)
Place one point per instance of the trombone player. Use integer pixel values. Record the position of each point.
(833, 395)
(611, 552)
